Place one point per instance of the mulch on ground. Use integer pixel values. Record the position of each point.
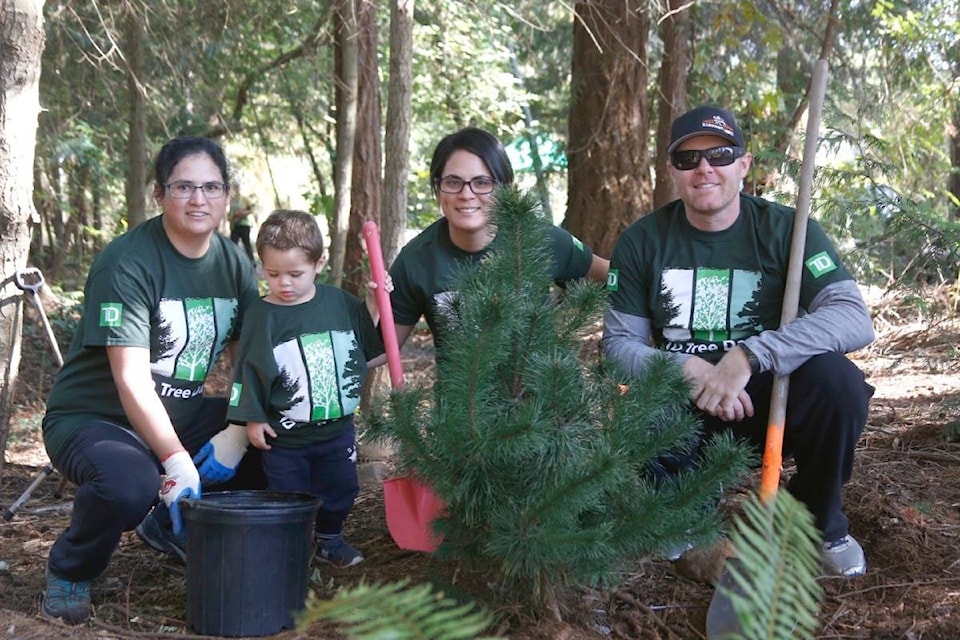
(902, 502)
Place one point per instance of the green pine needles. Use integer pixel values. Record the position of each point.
(547, 460)
(775, 595)
(397, 612)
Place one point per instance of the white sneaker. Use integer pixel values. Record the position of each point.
(844, 557)
(674, 551)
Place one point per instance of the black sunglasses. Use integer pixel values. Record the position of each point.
(717, 157)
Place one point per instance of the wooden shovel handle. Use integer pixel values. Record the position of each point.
(773, 448)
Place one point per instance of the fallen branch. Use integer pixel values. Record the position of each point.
(933, 456)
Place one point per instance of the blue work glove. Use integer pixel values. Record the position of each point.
(217, 461)
(180, 480)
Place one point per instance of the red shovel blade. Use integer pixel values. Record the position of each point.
(411, 506)
(411, 509)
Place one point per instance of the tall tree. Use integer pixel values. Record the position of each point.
(609, 168)
(399, 123)
(347, 84)
(136, 36)
(954, 180)
(367, 179)
(21, 45)
(397, 152)
(672, 84)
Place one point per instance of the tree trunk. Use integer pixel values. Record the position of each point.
(21, 45)
(347, 84)
(609, 182)
(399, 124)
(762, 178)
(393, 219)
(672, 81)
(137, 141)
(954, 182)
(367, 154)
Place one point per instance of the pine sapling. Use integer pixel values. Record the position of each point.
(549, 463)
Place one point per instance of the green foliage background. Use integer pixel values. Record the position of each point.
(885, 161)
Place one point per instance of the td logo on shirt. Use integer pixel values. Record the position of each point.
(820, 264)
(235, 391)
(613, 280)
(111, 314)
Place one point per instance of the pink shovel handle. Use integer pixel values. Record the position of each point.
(371, 234)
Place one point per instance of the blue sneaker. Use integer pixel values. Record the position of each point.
(337, 551)
(161, 538)
(69, 601)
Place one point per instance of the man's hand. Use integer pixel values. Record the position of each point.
(217, 461)
(258, 432)
(718, 390)
(181, 480)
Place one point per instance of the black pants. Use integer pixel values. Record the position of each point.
(118, 481)
(241, 235)
(826, 411)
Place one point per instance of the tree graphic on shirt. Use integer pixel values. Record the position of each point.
(290, 387)
(353, 371)
(322, 370)
(163, 341)
(226, 314)
(194, 360)
(710, 309)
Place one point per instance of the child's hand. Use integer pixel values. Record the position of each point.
(372, 308)
(387, 283)
(257, 433)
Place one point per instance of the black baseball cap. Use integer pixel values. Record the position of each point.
(705, 121)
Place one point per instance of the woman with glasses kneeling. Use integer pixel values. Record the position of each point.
(466, 168)
(127, 420)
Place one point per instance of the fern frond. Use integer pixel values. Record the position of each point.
(777, 562)
(396, 612)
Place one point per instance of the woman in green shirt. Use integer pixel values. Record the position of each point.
(465, 169)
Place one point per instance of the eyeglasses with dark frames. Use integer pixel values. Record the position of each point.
(183, 189)
(481, 185)
(717, 157)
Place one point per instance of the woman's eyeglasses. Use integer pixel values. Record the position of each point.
(480, 186)
(184, 190)
(717, 157)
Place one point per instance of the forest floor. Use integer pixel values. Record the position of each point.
(903, 504)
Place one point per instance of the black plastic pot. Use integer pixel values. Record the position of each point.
(248, 560)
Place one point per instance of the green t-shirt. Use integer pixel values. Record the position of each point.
(423, 272)
(142, 292)
(302, 366)
(705, 291)
(238, 206)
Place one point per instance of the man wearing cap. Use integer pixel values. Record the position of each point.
(703, 278)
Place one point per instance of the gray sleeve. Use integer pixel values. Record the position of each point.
(837, 321)
(627, 339)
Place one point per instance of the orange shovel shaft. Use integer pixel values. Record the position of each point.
(371, 234)
(773, 448)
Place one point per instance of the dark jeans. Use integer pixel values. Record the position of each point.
(826, 411)
(118, 480)
(327, 470)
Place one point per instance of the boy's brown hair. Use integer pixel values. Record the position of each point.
(286, 229)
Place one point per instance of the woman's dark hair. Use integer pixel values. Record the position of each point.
(480, 143)
(179, 148)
